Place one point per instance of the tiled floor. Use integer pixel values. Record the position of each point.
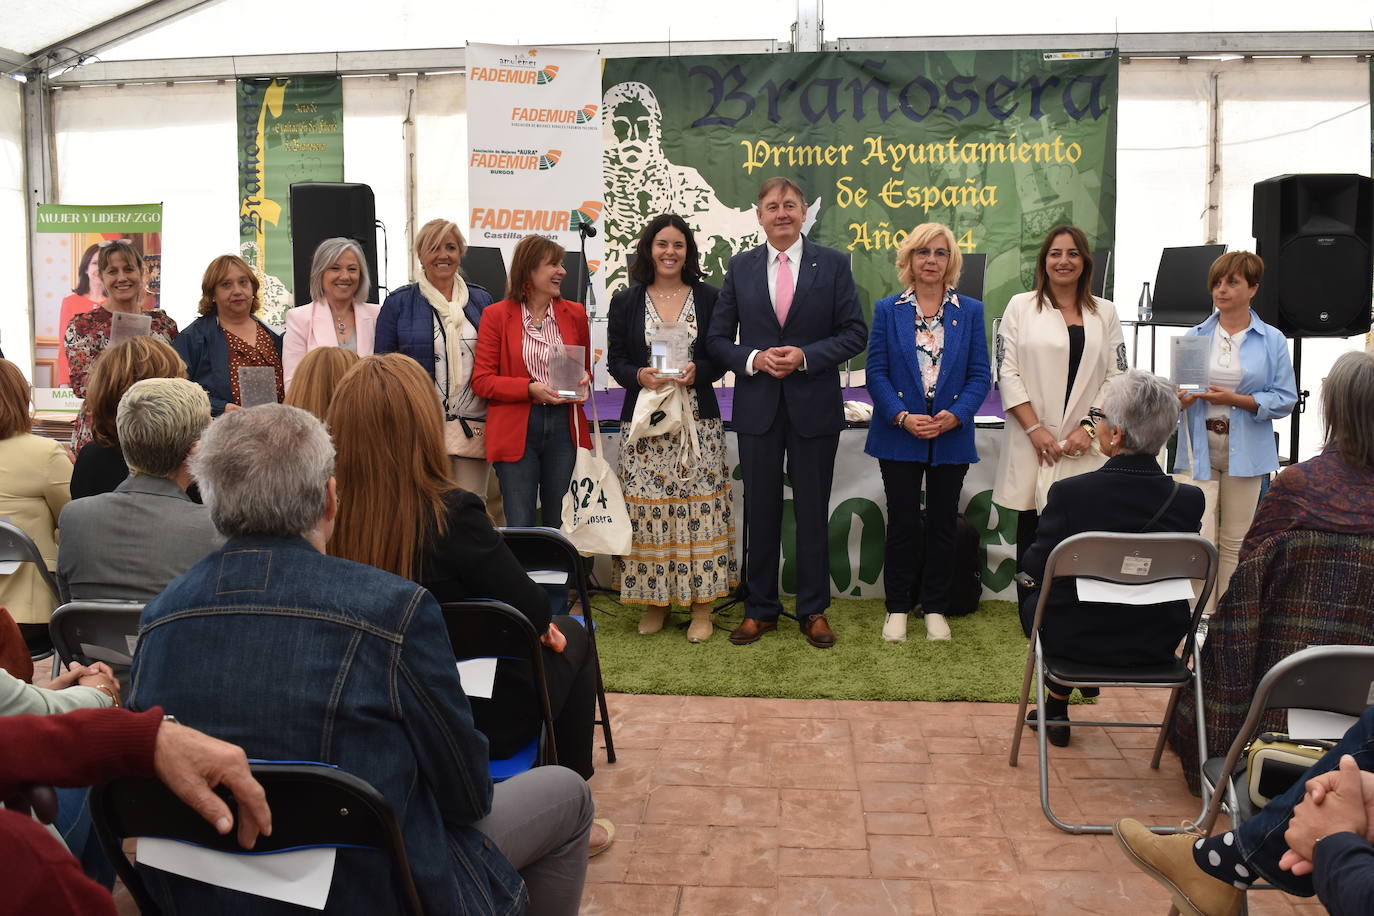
(756, 807)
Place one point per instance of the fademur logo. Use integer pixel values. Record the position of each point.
(522, 68)
(574, 116)
(536, 220)
(508, 162)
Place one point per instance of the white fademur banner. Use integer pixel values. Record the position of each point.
(534, 159)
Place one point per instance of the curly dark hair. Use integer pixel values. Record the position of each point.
(642, 271)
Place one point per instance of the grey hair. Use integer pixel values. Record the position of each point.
(329, 252)
(265, 471)
(158, 422)
(1145, 407)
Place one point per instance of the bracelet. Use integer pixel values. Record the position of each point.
(114, 698)
(1031, 429)
(901, 417)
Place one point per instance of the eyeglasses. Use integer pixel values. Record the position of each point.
(1224, 359)
(108, 242)
(938, 254)
(1095, 416)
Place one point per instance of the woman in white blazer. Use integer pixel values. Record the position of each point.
(1056, 348)
(337, 316)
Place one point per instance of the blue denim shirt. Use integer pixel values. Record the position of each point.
(1267, 376)
(295, 655)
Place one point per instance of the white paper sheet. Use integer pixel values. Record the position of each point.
(478, 676)
(301, 877)
(1307, 724)
(1146, 593)
(548, 576)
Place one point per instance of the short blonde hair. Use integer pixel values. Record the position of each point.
(921, 237)
(116, 370)
(432, 233)
(159, 420)
(327, 254)
(312, 387)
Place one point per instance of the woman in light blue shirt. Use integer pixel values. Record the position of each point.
(1226, 433)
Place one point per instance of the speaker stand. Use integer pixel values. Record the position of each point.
(1300, 406)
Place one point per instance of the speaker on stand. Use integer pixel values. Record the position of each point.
(331, 209)
(1315, 234)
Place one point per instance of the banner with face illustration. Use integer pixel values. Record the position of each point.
(534, 163)
(999, 145)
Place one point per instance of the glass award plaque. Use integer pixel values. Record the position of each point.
(1189, 362)
(257, 385)
(566, 370)
(670, 349)
(127, 325)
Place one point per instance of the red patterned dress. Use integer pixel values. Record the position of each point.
(87, 336)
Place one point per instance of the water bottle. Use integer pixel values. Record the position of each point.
(1145, 308)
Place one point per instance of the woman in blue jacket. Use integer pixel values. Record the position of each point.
(434, 322)
(927, 374)
(1227, 432)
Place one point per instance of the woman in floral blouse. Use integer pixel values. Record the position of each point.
(928, 374)
(88, 334)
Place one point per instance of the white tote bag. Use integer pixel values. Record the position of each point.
(665, 411)
(594, 515)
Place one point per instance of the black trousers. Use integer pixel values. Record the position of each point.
(810, 465)
(1027, 525)
(918, 558)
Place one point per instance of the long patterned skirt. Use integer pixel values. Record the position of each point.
(684, 531)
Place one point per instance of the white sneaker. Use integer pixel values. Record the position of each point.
(894, 628)
(937, 628)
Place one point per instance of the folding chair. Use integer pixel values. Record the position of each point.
(1133, 559)
(97, 631)
(312, 804)
(1337, 679)
(18, 547)
(493, 629)
(551, 559)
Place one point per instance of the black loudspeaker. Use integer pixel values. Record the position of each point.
(328, 209)
(487, 268)
(1316, 236)
(971, 276)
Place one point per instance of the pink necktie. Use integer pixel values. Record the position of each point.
(782, 295)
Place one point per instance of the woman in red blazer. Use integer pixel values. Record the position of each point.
(532, 433)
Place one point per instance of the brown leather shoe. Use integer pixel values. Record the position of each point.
(817, 631)
(750, 630)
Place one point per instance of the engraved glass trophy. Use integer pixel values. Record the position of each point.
(257, 385)
(566, 370)
(670, 349)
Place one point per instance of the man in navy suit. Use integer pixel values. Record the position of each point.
(794, 306)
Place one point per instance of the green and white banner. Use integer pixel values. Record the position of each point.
(290, 129)
(999, 145)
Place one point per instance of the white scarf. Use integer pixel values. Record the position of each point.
(456, 327)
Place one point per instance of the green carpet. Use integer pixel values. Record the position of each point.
(983, 662)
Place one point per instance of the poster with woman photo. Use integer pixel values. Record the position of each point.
(67, 277)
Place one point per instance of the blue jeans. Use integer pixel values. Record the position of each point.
(541, 476)
(1260, 839)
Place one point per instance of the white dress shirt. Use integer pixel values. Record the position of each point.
(794, 254)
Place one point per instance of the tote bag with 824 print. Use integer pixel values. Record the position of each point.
(594, 515)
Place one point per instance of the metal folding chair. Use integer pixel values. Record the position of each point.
(312, 804)
(18, 547)
(551, 560)
(1133, 559)
(493, 629)
(97, 631)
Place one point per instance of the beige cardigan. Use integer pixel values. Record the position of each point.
(35, 483)
(1032, 357)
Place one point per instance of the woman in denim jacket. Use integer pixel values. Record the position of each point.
(1226, 433)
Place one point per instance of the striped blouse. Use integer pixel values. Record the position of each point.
(537, 343)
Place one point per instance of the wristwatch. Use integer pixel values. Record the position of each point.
(1086, 424)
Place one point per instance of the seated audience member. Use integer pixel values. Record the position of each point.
(316, 377)
(387, 422)
(129, 544)
(1128, 494)
(302, 656)
(1313, 838)
(35, 475)
(100, 466)
(1335, 490)
(1306, 568)
(79, 687)
(94, 745)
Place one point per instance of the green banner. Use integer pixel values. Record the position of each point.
(126, 218)
(290, 129)
(999, 145)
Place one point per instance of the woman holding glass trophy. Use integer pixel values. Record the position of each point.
(533, 367)
(672, 456)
